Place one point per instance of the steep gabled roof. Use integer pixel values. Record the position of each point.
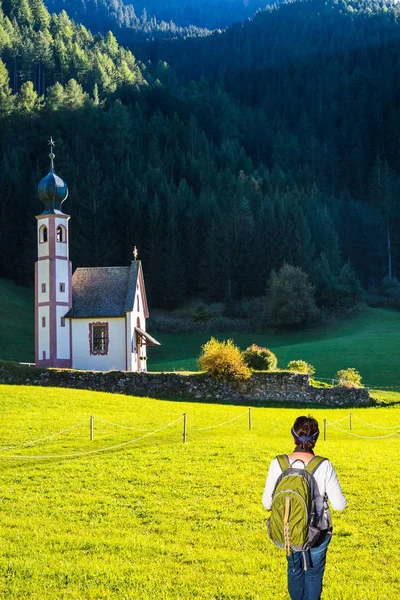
(105, 291)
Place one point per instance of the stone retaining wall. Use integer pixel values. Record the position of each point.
(259, 389)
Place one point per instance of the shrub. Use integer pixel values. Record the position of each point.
(260, 359)
(390, 287)
(301, 366)
(223, 361)
(201, 314)
(349, 378)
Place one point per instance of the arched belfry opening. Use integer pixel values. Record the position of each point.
(43, 234)
(61, 234)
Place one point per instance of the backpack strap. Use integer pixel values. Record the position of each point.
(314, 463)
(312, 466)
(283, 461)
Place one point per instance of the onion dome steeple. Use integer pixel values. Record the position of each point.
(52, 189)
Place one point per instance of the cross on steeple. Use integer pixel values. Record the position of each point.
(135, 253)
(51, 155)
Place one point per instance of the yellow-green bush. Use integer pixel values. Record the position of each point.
(301, 366)
(223, 361)
(349, 378)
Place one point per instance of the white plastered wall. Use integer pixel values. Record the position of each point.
(44, 332)
(63, 334)
(43, 277)
(116, 357)
(62, 275)
(138, 364)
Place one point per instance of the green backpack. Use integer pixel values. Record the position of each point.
(294, 524)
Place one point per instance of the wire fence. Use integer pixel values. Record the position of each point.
(150, 432)
(91, 420)
(375, 426)
(121, 426)
(224, 423)
(333, 381)
(365, 437)
(42, 439)
(89, 452)
(350, 417)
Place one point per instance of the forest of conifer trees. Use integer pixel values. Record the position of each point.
(221, 157)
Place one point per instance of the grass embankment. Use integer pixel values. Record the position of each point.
(162, 520)
(16, 322)
(368, 341)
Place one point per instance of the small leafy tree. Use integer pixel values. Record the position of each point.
(223, 361)
(349, 378)
(260, 359)
(301, 366)
(290, 298)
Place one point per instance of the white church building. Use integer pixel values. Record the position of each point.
(94, 319)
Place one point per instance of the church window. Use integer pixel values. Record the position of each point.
(61, 236)
(43, 321)
(43, 288)
(138, 305)
(62, 321)
(43, 234)
(62, 287)
(98, 338)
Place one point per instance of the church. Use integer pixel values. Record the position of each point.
(94, 319)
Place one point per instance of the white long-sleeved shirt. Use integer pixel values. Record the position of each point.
(326, 480)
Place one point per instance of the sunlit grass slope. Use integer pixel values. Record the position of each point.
(368, 341)
(16, 322)
(159, 519)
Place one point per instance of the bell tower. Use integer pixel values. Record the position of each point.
(53, 274)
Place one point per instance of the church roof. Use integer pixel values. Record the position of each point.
(104, 291)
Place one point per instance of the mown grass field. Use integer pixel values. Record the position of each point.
(368, 341)
(159, 519)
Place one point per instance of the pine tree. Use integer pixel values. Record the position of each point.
(6, 99)
(27, 100)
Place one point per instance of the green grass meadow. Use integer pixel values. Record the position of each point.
(369, 341)
(159, 519)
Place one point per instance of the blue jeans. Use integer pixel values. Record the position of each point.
(307, 585)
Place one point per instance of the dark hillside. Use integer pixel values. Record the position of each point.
(210, 14)
(132, 27)
(218, 181)
(325, 79)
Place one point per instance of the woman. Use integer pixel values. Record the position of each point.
(307, 584)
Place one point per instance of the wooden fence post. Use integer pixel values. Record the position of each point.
(250, 420)
(184, 428)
